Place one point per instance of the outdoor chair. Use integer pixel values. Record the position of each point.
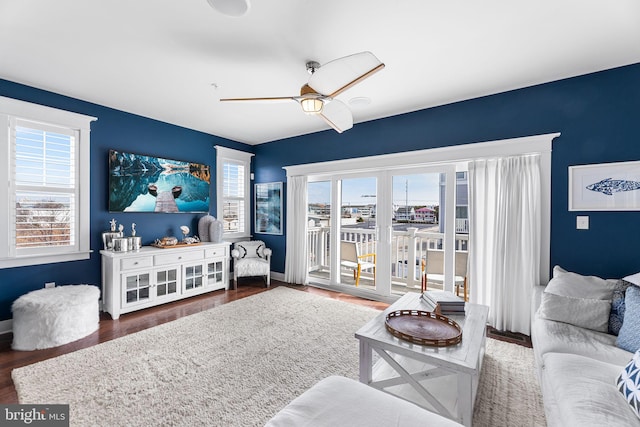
(433, 271)
(350, 257)
(251, 258)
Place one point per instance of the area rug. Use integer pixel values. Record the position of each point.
(240, 363)
(508, 393)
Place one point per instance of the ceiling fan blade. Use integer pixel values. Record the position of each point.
(338, 75)
(337, 115)
(274, 98)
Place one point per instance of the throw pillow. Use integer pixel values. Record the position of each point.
(241, 250)
(568, 284)
(585, 313)
(628, 383)
(633, 278)
(617, 307)
(629, 336)
(252, 249)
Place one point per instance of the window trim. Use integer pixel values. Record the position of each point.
(229, 154)
(11, 109)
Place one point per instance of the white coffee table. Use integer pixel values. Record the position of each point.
(440, 379)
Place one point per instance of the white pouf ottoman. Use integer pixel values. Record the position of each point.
(54, 316)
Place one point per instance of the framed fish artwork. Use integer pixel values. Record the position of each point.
(605, 187)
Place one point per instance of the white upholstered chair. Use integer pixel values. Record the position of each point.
(251, 258)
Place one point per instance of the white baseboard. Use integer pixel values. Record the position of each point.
(277, 276)
(6, 326)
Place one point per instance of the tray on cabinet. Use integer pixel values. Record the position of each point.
(177, 245)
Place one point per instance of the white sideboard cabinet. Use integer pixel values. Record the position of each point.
(151, 276)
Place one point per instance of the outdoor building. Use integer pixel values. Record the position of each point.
(462, 202)
(405, 213)
(426, 214)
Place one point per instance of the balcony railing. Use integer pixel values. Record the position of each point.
(408, 248)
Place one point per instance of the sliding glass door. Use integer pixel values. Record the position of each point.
(384, 233)
(357, 239)
(319, 212)
(430, 230)
(342, 231)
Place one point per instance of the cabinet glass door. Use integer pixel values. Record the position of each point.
(137, 288)
(215, 274)
(167, 282)
(193, 277)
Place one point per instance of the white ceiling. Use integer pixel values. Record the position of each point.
(161, 58)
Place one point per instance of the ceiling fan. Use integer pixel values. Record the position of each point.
(317, 97)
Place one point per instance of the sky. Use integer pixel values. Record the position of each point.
(423, 189)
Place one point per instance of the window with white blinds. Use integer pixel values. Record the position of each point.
(45, 195)
(234, 197)
(233, 172)
(46, 218)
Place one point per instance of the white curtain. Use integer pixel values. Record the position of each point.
(296, 257)
(504, 239)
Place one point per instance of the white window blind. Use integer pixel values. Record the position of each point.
(233, 168)
(234, 195)
(44, 161)
(45, 217)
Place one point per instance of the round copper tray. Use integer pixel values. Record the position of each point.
(423, 327)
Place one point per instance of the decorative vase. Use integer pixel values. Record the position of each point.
(203, 227)
(216, 231)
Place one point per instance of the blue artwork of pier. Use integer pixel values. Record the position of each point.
(139, 183)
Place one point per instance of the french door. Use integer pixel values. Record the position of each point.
(370, 234)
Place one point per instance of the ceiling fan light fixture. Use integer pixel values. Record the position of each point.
(311, 105)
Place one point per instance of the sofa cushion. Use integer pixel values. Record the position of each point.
(549, 336)
(628, 383)
(568, 284)
(583, 312)
(585, 392)
(629, 336)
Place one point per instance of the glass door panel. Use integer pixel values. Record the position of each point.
(319, 217)
(215, 274)
(167, 282)
(358, 246)
(193, 277)
(417, 200)
(137, 288)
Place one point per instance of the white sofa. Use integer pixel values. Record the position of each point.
(577, 369)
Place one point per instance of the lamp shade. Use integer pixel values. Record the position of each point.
(311, 105)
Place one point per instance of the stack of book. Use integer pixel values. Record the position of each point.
(449, 303)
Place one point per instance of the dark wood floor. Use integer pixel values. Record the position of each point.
(137, 321)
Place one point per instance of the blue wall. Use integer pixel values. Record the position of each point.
(599, 118)
(121, 131)
(597, 114)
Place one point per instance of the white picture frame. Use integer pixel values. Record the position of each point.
(605, 187)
